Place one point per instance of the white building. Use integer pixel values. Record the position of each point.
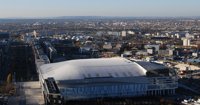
(150, 51)
(189, 36)
(177, 36)
(171, 52)
(34, 33)
(186, 42)
(106, 78)
(131, 32)
(195, 54)
(123, 33)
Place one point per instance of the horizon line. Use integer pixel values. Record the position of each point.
(63, 17)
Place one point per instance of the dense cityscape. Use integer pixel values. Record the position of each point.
(166, 48)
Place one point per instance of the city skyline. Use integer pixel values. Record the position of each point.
(124, 8)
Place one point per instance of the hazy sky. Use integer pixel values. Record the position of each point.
(49, 8)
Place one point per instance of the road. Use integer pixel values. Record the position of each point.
(28, 93)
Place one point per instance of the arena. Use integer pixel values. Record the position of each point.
(89, 79)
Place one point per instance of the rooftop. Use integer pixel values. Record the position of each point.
(92, 68)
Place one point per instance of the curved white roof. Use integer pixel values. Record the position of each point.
(92, 68)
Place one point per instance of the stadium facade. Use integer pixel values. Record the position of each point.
(86, 79)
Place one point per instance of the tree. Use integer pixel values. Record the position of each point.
(9, 78)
